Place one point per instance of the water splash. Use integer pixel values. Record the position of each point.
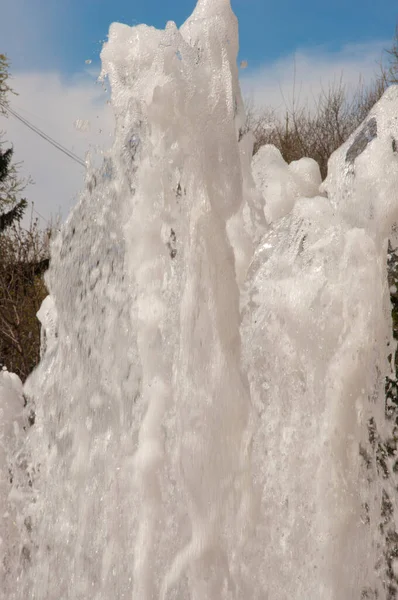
(316, 332)
(214, 353)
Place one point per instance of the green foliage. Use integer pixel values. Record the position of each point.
(14, 215)
(11, 206)
(10, 186)
(5, 163)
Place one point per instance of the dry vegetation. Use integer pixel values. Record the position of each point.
(318, 129)
(24, 258)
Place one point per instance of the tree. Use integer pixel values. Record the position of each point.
(317, 131)
(392, 54)
(11, 207)
(5, 87)
(24, 256)
(9, 187)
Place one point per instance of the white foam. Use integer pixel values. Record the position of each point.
(184, 449)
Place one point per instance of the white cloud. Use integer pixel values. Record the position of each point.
(305, 74)
(54, 105)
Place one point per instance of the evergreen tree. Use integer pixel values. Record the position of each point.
(8, 189)
(11, 208)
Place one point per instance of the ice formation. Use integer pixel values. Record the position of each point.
(281, 184)
(82, 125)
(215, 347)
(47, 316)
(11, 407)
(14, 477)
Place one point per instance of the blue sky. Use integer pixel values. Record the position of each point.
(289, 44)
(62, 34)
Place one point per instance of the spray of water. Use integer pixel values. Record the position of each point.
(215, 346)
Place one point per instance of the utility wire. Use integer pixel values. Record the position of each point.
(43, 135)
(46, 137)
(39, 215)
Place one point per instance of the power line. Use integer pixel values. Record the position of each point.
(43, 135)
(47, 138)
(39, 215)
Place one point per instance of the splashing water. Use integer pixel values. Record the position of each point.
(214, 352)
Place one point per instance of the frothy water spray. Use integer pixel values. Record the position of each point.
(215, 347)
